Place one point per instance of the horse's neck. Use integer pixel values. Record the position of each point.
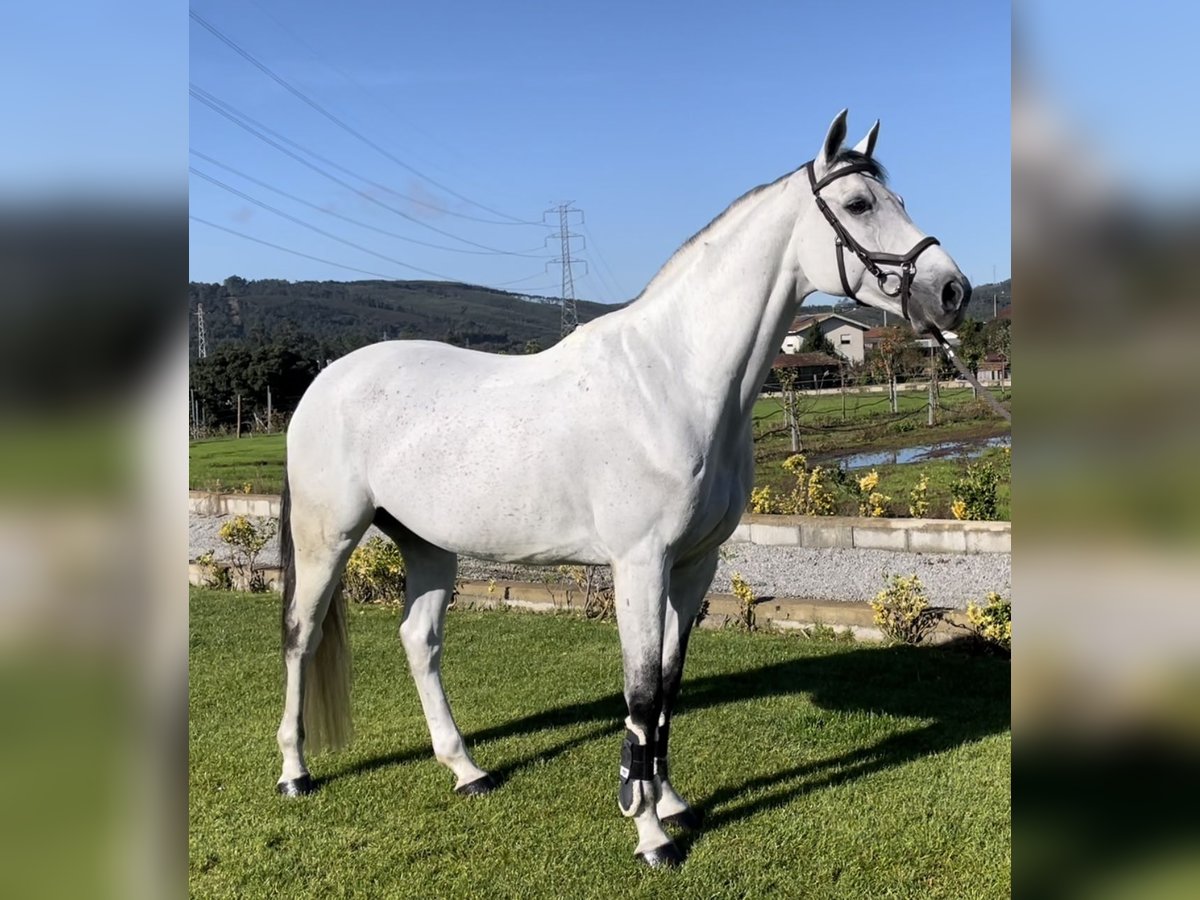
(718, 313)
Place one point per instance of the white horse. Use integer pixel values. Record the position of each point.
(628, 443)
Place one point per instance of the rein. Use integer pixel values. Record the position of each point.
(908, 268)
(980, 390)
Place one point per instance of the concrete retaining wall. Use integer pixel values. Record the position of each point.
(839, 532)
(205, 503)
(847, 532)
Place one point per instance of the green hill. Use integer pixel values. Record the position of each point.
(358, 312)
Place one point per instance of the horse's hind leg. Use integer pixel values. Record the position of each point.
(688, 586)
(429, 588)
(315, 652)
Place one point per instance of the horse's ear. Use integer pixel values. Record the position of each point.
(867, 145)
(833, 143)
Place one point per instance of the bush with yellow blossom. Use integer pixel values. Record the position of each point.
(374, 573)
(871, 502)
(902, 611)
(918, 498)
(246, 541)
(992, 622)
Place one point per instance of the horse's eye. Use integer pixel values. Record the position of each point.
(857, 207)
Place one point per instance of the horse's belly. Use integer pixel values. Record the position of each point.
(488, 494)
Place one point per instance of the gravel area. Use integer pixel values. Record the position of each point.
(950, 579)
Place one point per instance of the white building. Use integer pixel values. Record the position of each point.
(845, 334)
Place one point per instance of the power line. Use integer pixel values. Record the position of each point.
(311, 227)
(231, 112)
(340, 123)
(604, 283)
(373, 94)
(520, 280)
(327, 262)
(624, 295)
(216, 104)
(353, 221)
(320, 259)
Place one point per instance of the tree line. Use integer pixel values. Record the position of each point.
(258, 381)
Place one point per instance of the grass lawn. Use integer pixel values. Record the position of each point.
(824, 769)
(230, 463)
(815, 407)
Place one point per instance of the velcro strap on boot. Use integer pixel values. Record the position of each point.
(637, 760)
(660, 749)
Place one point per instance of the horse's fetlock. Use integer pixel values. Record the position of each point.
(638, 788)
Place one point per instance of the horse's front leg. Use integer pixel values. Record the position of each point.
(689, 583)
(640, 585)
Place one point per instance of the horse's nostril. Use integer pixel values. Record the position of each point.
(953, 296)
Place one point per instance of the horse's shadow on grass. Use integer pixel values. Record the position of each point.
(959, 698)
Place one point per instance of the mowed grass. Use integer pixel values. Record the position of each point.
(858, 405)
(230, 464)
(824, 769)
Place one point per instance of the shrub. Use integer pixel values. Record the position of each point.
(903, 613)
(246, 541)
(796, 502)
(870, 501)
(992, 622)
(762, 501)
(918, 498)
(746, 600)
(599, 599)
(821, 501)
(796, 465)
(975, 494)
(215, 575)
(374, 573)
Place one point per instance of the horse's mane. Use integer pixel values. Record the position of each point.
(874, 169)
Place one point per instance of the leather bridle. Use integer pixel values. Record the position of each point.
(906, 261)
(872, 260)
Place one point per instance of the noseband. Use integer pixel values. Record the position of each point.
(907, 262)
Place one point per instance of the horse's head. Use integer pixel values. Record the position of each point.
(856, 240)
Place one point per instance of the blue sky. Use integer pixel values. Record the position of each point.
(650, 117)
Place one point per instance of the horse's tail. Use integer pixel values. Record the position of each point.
(327, 722)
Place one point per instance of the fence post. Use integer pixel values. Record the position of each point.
(238, 432)
(932, 378)
(268, 409)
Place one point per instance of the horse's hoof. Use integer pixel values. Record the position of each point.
(297, 787)
(688, 820)
(484, 785)
(665, 857)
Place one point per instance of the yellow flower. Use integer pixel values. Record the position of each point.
(762, 500)
(869, 482)
(959, 509)
(796, 464)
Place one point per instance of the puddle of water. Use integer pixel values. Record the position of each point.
(922, 453)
